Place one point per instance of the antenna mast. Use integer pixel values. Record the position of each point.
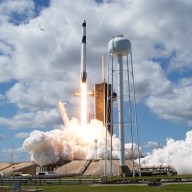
(103, 69)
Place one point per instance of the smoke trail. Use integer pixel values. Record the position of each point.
(176, 153)
(75, 142)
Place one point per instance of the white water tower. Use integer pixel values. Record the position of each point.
(120, 66)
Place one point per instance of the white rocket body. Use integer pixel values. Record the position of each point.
(83, 54)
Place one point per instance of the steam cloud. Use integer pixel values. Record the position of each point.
(78, 142)
(75, 142)
(175, 153)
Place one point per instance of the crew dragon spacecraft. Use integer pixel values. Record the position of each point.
(83, 54)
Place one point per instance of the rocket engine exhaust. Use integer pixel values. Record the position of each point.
(83, 54)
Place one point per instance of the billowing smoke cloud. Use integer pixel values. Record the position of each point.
(75, 142)
(176, 153)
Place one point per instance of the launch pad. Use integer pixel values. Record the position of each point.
(69, 168)
(80, 168)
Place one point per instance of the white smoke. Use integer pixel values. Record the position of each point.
(88, 142)
(175, 153)
(75, 142)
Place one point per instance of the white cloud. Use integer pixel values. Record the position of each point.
(22, 135)
(176, 105)
(173, 154)
(11, 8)
(152, 144)
(38, 119)
(37, 94)
(150, 79)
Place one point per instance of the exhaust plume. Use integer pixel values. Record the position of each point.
(76, 142)
(175, 153)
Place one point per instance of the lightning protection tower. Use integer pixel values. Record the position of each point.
(120, 76)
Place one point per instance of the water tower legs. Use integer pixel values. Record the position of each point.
(123, 169)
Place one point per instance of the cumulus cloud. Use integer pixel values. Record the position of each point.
(38, 119)
(175, 105)
(21, 135)
(16, 11)
(173, 154)
(147, 71)
(36, 94)
(152, 144)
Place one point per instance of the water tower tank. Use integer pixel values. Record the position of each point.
(119, 46)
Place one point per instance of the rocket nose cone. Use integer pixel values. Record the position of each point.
(84, 23)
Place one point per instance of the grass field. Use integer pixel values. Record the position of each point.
(84, 184)
(117, 188)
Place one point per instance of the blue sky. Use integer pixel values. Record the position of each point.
(40, 67)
